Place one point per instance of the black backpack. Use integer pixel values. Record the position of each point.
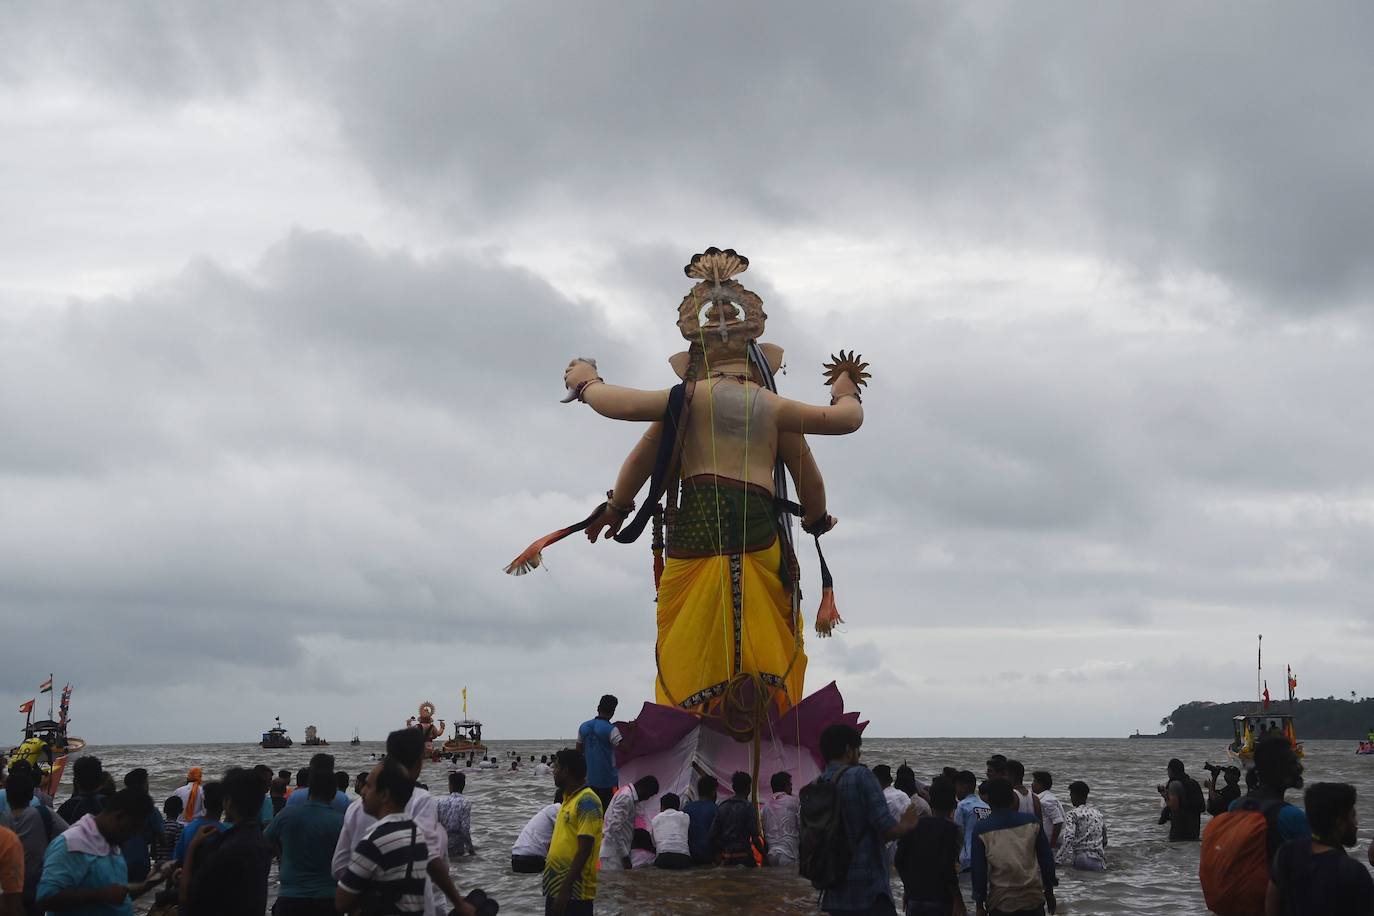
(1193, 799)
(824, 850)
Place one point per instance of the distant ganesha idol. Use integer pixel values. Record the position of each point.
(716, 454)
(427, 726)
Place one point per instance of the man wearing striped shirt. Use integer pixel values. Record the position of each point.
(387, 872)
(406, 748)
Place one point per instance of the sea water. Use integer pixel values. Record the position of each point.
(1145, 873)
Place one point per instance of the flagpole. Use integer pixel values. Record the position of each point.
(1259, 667)
(50, 693)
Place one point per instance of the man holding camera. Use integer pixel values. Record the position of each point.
(1219, 800)
(1183, 804)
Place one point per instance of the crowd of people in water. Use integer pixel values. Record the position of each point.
(378, 842)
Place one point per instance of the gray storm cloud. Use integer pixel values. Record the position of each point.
(1108, 264)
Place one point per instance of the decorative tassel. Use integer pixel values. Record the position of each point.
(828, 615)
(657, 548)
(533, 555)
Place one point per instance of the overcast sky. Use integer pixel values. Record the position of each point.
(286, 291)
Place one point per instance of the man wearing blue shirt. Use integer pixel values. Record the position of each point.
(597, 739)
(306, 833)
(868, 824)
(138, 850)
(213, 794)
(84, 873)
(970, 810)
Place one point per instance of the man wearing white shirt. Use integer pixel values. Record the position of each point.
(669, 829)
(532, 845)
(192, 798)
(1051, 810)
(897, 803)
(407, 747)
(781, 821)
(618, 830)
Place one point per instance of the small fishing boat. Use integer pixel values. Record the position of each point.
(46, 744)
(1249, 730)
(276, 737)
(355, 740)
(1365, 749)
(467, 734)
(467, 738)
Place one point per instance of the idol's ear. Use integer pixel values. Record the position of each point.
(680, 362)
(772, 353)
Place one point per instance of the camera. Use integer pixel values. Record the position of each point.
(1214, 769)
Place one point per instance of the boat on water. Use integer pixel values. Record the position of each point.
(313, 739)
(1253, 728)
(467, 734)
(1248, 730)
(467, 738)
(46, 744)
(355, 740)
(276, 736)
(1366, 748)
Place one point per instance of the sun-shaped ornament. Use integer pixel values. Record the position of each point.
(846, 364)
(716, 265)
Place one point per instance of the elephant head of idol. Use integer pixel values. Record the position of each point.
(718, 314)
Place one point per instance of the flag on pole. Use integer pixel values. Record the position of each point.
(1266, 694)
(1292, 683)
(46, 686)
(26, 707)
(465, 702)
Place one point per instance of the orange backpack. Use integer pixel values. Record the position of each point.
(1237, 847)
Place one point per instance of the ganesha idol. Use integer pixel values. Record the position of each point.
(717, 452)
(426, 724)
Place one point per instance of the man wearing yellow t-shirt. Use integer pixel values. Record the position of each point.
(570, 866)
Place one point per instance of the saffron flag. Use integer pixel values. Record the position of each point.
(46, 686)
(26, 707)
(1266, 694)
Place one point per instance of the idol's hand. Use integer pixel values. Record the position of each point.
(578, 371)
(843, 385)
(610, 520)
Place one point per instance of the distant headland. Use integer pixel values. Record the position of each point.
(1316, 719)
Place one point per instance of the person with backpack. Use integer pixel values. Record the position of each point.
(844, 823)
(1183, 804)
(87, 777)
(34, 826)
(1239, 846)
(1316, 876)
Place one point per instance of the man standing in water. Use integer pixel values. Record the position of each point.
(868, 824)
(569, 881)
(1013, 870)
(597, 739)
(1183, 804)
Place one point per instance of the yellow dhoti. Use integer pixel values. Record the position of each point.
(724, 615)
